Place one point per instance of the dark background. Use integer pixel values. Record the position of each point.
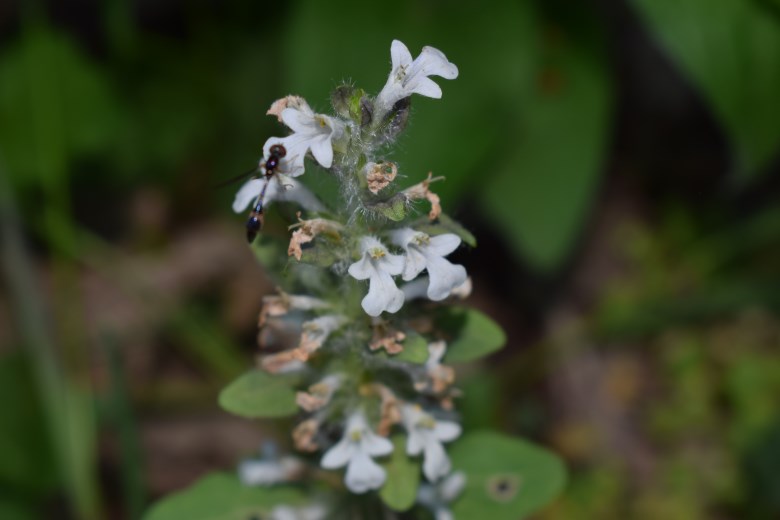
(617, 161)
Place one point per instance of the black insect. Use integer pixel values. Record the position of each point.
(255, 222)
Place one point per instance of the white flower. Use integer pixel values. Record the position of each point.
(427, 252)
(426, 435)
(309, 512)
(411, 77)
(418, 288)
(378, 266)
(355, 450)
(311, 131)
(281, 188)
(437, 498)
(269, 472)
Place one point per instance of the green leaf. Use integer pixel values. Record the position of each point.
(470, 334)
(258, 394)
(54, 104)
(13, 508)
(730, 49)
(507, 478)
(222, 497)
(24, 445)
(540, 197)
(403, 477)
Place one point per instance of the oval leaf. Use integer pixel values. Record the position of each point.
(222, 497)
(508, 478)
(403, 478)
(257, 394)
(470, 334)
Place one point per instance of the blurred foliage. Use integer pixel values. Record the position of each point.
(730, 49)
(708, 400)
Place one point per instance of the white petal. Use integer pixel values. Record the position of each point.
(415, 263)
(399, 55)
(339, 455)
(414, 443)
(451, 486)
(322, 150)
(426, 87)
(446, 431)
(427, 495)
(274, 191)
(436, 463)
(254, 473)
(393, 264)
(363, 474)
(382, 295)
(416, 289)
(367, 243)
(362, 269)
(436, 351)
(327, 324)
(442, 513)
(293, 191)
(247, 194)
(434, 63)
(402, 237)
(442, 245)
(376, 445)
(298, 120)
(284, 513)
(444, 277)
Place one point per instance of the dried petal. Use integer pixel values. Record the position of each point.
(386, 337)
(303, 435)
(379, 175)
(307, 230)
(422, 191)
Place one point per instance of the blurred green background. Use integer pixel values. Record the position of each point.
(618, 161)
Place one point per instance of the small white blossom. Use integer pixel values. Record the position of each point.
(379, 266)
(418, 288)
(311, 131)
(281, 188)
(309, 512)
(409, 77)
(426, 435)
(269, 472)
(426, 252)
(438, 497)
(355, 450)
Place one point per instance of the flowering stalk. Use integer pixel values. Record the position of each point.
(365, 245)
